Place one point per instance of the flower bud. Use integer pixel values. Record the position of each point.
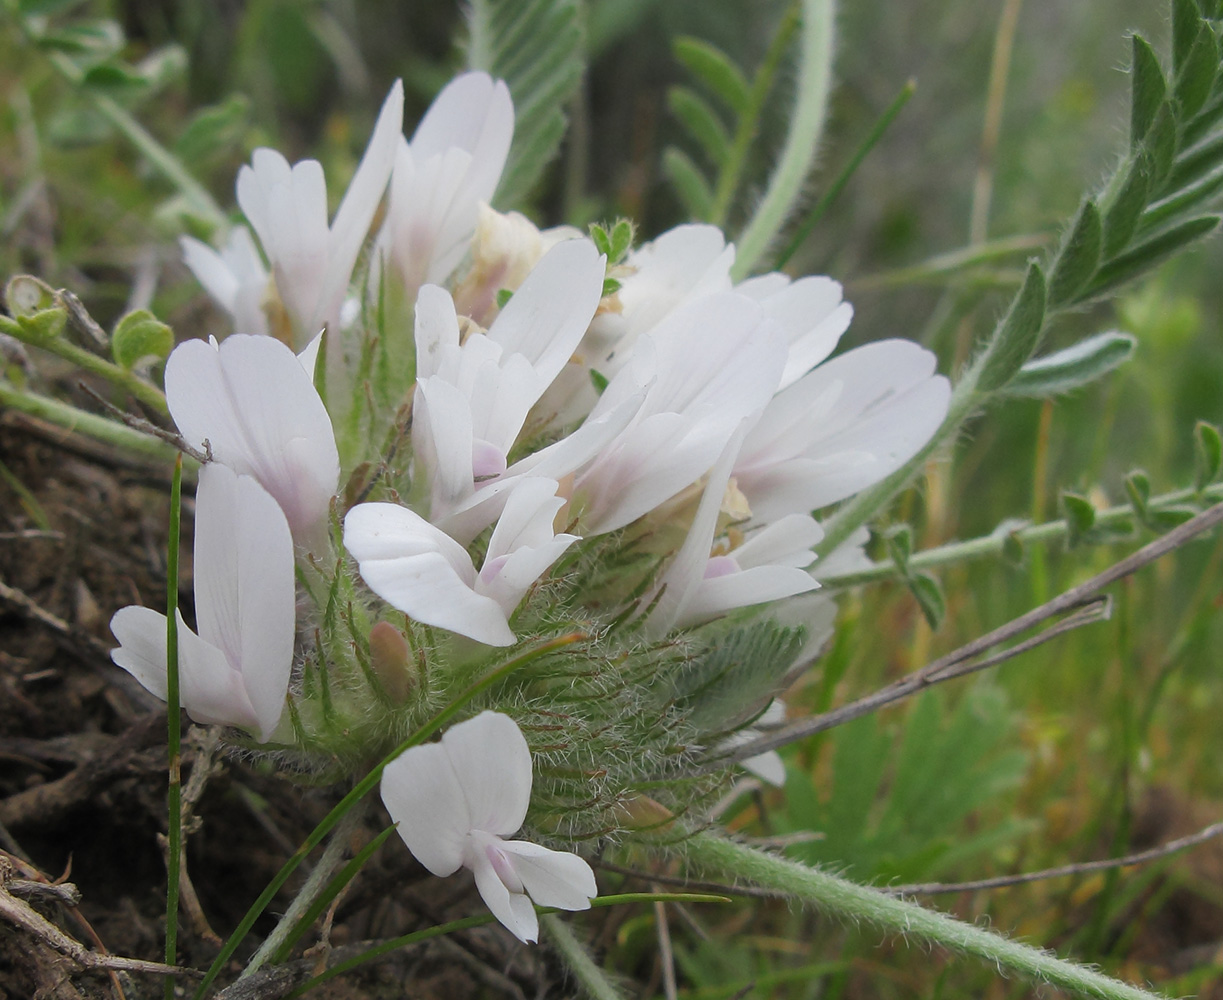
(391, 658)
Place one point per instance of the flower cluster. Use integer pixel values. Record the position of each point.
(493, 436)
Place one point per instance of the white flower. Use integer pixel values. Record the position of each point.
(235, 277)
(842, 427)
(769, 565)
(767, 766)
(473, 398)
(251, 399)
(236, 670)
(711, 364)
(287, 207)
(455, 800)
(452, 164)
(419, 569)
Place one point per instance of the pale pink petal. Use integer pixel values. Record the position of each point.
(513, 909)
(687, 568)
(443, 443)
(424, 797)
(420, 570)
(552, 878)
(786, 542)
(492, 765)
(142, 646)
(545, 319)
(245, 592)
(256, 406)
(437, 329)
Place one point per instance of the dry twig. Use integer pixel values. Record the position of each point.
(1081, 604)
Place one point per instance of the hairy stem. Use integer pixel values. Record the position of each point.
(850, 901)
(994, 543)
(577, 959)
(806, 129)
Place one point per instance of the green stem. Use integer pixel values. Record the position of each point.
(584, 968)
(166, 163)
(174, 805)
(363, 788)
(850, 168)
(202, 204)
(749, 121)
(328, 863)
(806, 128)
(852, 902)
(994, 543)
(127, 380)
(80, 421)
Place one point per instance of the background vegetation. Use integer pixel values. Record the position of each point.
(1104, 742)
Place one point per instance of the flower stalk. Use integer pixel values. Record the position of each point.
(851, 902)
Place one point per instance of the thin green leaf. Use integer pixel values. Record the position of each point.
(214, 129)
(1078, 257)
(1186, 21)
(1122, 215)
(838, 185)
(701, 122)
(538, 49)
(1195, 79)
(1080, 517)
(94, 40)
(1163, 212)
(929, 597)
(1161, 145)
(716, 70)
(1147, 88)
(690, 184)
(1207, 454)
(1196, 163)
(1138, 489)
(1073, 367)
(797, 156)
(1145, 256)
(1018, 334)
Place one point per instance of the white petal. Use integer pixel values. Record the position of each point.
(308, 358)
(767, 767)
(356, 212)
(255, 404)
(443, 442)
(213, 691)
(492, 765)
(688, 566)
(142, 646)
(787, 542)
(553, 878)
(472, 112)
(523, 544)
(437, 329)
(210, 689)
(424, 797)
(849, 423)
(210, 271)
(513, 909)
(545, 319)
(244, 586)
(422, 571)
(758, 585)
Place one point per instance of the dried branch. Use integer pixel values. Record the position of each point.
(22, 915)
(1081, 868)
(1082, 599)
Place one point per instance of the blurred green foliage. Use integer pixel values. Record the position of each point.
(1056, 758)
